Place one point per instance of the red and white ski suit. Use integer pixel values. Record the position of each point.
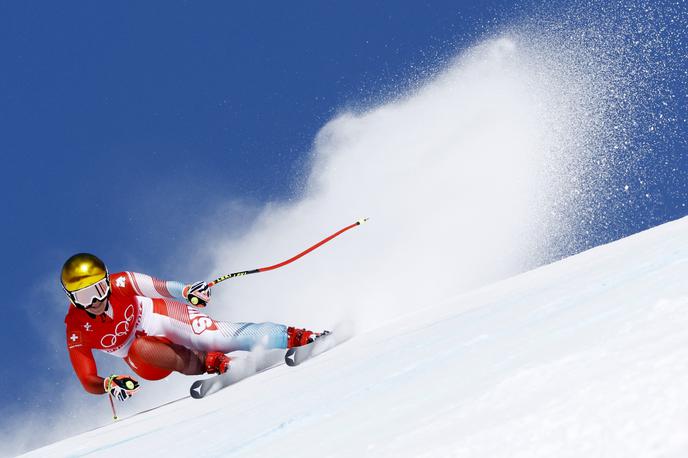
(154, 333)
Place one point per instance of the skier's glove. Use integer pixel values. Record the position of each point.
(120, 386)
(197, 294)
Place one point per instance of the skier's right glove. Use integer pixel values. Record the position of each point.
(197, 294)
(120, 386)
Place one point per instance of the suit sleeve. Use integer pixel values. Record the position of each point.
(144, 285)
(85, 368)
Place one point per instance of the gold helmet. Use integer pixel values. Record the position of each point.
(85, 278)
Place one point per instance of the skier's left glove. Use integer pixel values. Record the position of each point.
(120, 386)
(197, 294)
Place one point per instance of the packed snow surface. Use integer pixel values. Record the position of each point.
(585, 357)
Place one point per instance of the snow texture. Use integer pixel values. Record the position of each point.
(584, 357)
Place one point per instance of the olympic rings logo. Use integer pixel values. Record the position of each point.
(121, 329)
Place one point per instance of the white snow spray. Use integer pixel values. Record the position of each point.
(446, 174)
(501, 162)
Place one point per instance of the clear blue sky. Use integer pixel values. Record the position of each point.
(122, 122)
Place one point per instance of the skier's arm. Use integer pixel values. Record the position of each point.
(119, 386)
(85, 367)
(145, 285)
(154, 288)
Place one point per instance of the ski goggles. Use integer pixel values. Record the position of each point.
(84, 297)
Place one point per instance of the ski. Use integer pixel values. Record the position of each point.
(240, 368)
(298, 355)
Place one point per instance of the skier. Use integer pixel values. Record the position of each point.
(141, 319)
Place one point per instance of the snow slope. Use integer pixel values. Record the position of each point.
(584, 357)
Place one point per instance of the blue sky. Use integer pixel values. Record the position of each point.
(125, 126)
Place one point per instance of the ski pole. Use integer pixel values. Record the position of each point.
(112, 404)
(288, 261)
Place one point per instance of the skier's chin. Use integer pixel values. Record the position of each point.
(98, 307)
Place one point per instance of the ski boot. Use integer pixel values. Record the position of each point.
(216, 362)
(298, 337)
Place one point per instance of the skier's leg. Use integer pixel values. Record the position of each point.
(178, 337)
(185, 325)
(154, 358)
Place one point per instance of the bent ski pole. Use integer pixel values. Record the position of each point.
(290, 260)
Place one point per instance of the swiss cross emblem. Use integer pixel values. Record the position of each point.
(87, 326)
(74, 338)
(120, 282)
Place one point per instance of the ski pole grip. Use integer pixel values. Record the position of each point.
(198, 302)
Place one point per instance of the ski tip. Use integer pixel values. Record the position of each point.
(196, 390)
(361, 221)
(290, 357)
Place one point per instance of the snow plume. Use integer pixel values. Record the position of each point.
(510, 157)
(457, 178)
